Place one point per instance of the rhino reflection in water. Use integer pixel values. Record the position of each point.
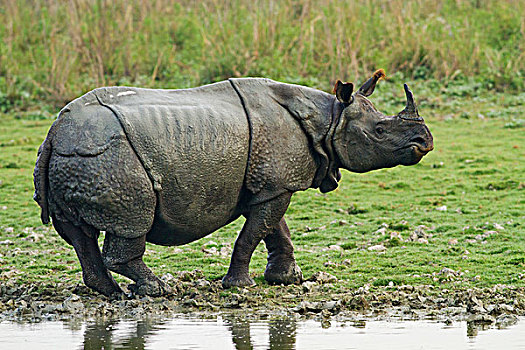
(171, 166)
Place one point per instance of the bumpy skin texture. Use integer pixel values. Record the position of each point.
(171, 166)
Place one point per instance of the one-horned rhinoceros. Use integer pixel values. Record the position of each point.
(172, 166)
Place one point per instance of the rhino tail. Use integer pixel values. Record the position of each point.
(41, 175)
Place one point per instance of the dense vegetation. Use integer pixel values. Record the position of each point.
(52, 51)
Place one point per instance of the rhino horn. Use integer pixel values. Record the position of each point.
(410, 112)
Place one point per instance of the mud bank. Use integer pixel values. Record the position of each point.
(500, 305)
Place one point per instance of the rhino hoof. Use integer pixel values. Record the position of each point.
(237, 281)
(276, 274)
(151, 288)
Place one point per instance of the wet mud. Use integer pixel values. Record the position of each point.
(191, 293)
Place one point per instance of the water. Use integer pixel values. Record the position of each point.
(228, 332)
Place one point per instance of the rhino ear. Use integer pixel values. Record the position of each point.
(368, 87)
(343, 91)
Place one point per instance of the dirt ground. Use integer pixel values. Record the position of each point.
(499, 306)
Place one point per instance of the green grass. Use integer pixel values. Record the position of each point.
(464, 60)
(477, 171)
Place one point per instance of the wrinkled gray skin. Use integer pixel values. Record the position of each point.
(172, 166)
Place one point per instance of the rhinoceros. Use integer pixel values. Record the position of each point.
(171, 166)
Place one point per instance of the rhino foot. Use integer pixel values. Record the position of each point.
(237, 281)
(151, 288)
(282, 274)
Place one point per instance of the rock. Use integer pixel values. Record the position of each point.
(225, 251)
(377, 248)
(202, 284)
(406, 288)
(358, 303)
(506, 320)
(308, 286)
(34, 237)
(330, 305)
(476, 309)
(73, 305)
(506, 308)
(323, 277)
(419, 235)
(316, 307)
(188, 276)
(498, 226)
(397, 235)
(481, 318)
(442, 208)
(167, 277)
(335, 247)
(448, 272)
(234, 301)
(381, 231)
(210, 251)
(474, 305)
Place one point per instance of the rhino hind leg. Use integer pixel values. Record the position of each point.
(261, 220)
(281, 267)
(84, 239)
(124, 256)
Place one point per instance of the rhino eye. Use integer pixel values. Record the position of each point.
(380, 130)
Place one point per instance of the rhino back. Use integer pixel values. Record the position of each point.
(194, 146)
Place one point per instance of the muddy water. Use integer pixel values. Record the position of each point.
(229, 332)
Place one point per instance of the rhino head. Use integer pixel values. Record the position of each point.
(366, 139)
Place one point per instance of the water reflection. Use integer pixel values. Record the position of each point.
(239, 332)
(116, 334)
(113, 334)
(281, 333)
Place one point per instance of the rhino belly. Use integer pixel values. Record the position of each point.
(191, 209)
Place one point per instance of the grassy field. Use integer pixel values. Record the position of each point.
(456, 220)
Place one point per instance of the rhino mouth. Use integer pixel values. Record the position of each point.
(420, 146)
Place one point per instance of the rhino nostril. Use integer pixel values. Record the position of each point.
(419, 141)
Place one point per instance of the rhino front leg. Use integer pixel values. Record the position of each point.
(261, 220)
(124, 256)
(281, 267)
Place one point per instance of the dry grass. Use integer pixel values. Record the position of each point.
(55, 50)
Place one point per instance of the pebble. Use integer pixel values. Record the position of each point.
(323, 277)
(308, 286)
(377, 248)
(481, 318)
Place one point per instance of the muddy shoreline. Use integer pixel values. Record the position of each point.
(498, 306)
